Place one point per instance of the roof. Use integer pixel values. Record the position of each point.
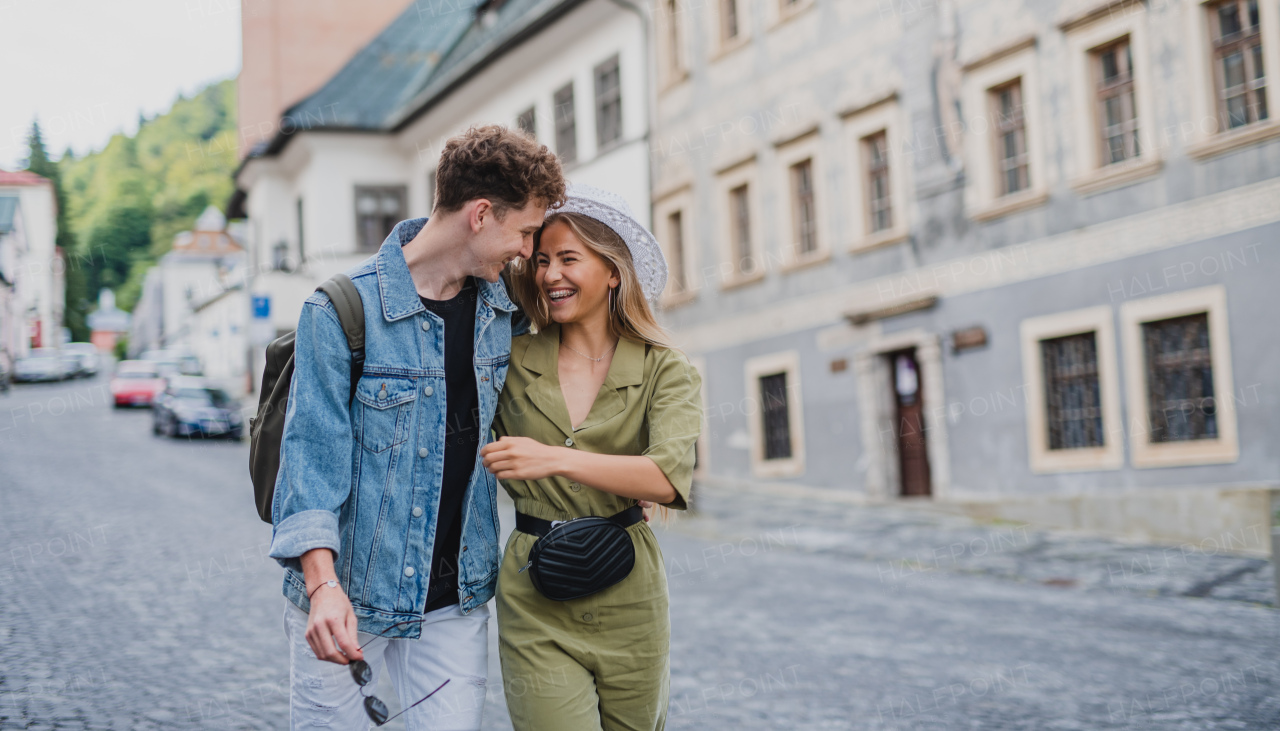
(369, 88)
(22, 177)
(204, 243)
(495, 32)
(417, 60)
(8, 211)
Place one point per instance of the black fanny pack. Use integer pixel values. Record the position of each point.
(576, 558)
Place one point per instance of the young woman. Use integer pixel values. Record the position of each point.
(599, 413)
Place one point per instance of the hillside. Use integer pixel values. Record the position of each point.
(126, 202)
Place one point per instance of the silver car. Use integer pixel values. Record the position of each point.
(88, 356)
(44, 364)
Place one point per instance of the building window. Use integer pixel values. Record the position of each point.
(1073, 397)
(527, 122)
(674, 66)
(775, 418)
(1117, 104)
(777, 425)
(1180, 396)
(1179, 381)
(378, 210)
(608, 103)
(879, 199)
(728, 20)
(1237, 63)
(279, 261)
(804, 214)
(566, 125)
(302, 248)
(740, 229)
(1072, 391)
(1011, 138)
(675, 244)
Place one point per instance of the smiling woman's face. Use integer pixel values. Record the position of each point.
(575, 279)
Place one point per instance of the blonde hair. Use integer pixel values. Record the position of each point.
(630, 317)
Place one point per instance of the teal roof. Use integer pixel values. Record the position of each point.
(417, 60)
(8, 210)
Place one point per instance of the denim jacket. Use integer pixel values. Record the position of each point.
(364, 479)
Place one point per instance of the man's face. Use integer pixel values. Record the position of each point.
(502, 239)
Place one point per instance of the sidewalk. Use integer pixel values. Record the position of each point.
(915, 544)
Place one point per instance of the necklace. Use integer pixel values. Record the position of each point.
(589, 357)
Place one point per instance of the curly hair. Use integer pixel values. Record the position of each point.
(505, 167)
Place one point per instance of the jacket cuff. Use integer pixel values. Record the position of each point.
(301, 532)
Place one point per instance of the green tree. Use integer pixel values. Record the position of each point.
(127, 201)
(75, 302)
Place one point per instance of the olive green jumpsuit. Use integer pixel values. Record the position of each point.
(603, 661)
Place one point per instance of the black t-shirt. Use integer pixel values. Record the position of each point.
(462, 438)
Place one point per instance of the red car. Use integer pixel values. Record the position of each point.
(136, 383)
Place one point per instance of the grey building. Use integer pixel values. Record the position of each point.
(1015, 257)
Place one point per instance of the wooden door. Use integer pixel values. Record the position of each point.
(913, 454)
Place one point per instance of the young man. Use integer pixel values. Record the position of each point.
(384, 516)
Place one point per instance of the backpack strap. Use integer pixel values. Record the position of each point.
(350, 308)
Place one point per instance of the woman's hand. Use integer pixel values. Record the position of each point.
(521, 458)
(647, 507)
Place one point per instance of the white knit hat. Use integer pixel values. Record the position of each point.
(612, 210)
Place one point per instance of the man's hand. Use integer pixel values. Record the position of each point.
(521, 458)
(331, 619)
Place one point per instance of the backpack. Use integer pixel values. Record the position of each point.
(266, 429)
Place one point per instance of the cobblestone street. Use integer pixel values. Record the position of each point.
(135, 593)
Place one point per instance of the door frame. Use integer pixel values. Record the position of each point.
(878, 410)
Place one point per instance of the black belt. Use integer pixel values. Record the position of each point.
(540, 527)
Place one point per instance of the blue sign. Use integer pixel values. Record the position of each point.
(261, 307)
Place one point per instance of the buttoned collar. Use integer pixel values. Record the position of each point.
(542, 357)
(626, 369)
(400, 295)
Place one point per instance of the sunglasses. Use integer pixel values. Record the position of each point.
(363, 675)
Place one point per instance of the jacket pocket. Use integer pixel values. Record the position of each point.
(498, 374)
(386, 411)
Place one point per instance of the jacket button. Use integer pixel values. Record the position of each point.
(568, 442)
(426, 325)
(422, 452)
(428, 391)
(417, 512)
(587, 617)
(575, 486)
(408, 571)
(382, 395)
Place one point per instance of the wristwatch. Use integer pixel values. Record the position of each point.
(332, 583)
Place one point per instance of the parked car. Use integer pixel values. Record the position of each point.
(71, 364)
(90, 361)
(43, 364)
(136, 383)
(190, 407)
(6, 371)
(175, 362)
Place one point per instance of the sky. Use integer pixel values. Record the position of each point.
(86, 68)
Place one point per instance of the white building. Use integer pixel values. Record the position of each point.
(40, 293)
(194, 300)
(359, 155)
(13, 246)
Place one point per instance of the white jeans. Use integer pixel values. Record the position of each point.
(453, 646)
